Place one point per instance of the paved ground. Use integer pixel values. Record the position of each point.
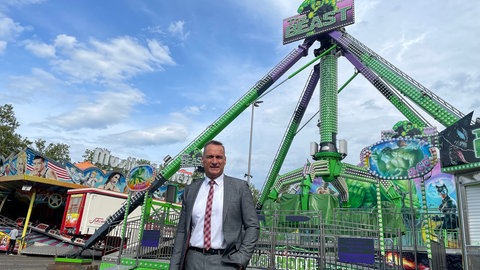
(23, 262)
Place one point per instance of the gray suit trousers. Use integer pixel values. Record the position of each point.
(198, 261)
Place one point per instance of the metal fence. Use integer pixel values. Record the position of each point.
(288, 241)
(417, 224)
(301, 240)
(352, 239)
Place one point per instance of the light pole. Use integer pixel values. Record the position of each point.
(248, 175)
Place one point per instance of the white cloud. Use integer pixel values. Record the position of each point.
(117, 59)
(407, 43)
(162, 135)
(100, 111)
(157, 29)
(271, 9)
(195, 110)
(40, 49)
(21, 2)
(160, 53)
(30, 87)
(177, 29)
(9, 29)
(3, 46)
(65, 42)
(367, 8)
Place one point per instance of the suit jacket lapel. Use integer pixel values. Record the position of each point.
(227, 193)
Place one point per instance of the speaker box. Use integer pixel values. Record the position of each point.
(171, 194)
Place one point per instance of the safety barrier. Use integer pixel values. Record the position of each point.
(296, 240)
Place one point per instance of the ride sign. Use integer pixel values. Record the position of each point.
(400, 158)
(191, 160)
(316, 17)
(140, 178)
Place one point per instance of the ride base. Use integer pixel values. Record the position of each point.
(72, 264)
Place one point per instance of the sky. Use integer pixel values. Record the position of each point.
(143, 78)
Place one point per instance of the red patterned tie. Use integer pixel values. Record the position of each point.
(208, 217)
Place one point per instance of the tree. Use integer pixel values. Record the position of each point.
(10, 142)
(255, 193)
(55, 151)
(88, 156)
(144, 162)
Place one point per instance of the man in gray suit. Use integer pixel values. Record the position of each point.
(234, 223)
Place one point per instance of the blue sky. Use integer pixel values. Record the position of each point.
(143, 78)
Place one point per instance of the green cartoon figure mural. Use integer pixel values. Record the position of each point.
(400, 158)
(313, 7)
(407, 129)
(396, 162)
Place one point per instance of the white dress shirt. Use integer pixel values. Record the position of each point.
(198, 215)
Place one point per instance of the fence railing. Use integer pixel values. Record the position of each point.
(156, 241)
(302, 240)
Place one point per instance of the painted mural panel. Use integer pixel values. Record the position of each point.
(18, 164)
(30, 162)
(400, 158)
(96, 178)
(460, 145)
(140, 178)
(41, 166)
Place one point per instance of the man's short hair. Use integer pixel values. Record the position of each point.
(214, 142)
(39, 157)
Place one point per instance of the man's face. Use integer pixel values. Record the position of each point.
(38, 165)
(214, 160)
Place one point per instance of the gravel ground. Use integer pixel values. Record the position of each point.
(23, 262)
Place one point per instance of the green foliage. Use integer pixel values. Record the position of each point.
(56, 151)
(88, 156)
(10, 142)
(143, 162)
(255, 193)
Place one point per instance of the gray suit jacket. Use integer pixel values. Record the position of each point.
(240, 223)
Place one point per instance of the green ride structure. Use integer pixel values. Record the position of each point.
(349, 180)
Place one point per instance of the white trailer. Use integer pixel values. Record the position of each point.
(88, 208)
